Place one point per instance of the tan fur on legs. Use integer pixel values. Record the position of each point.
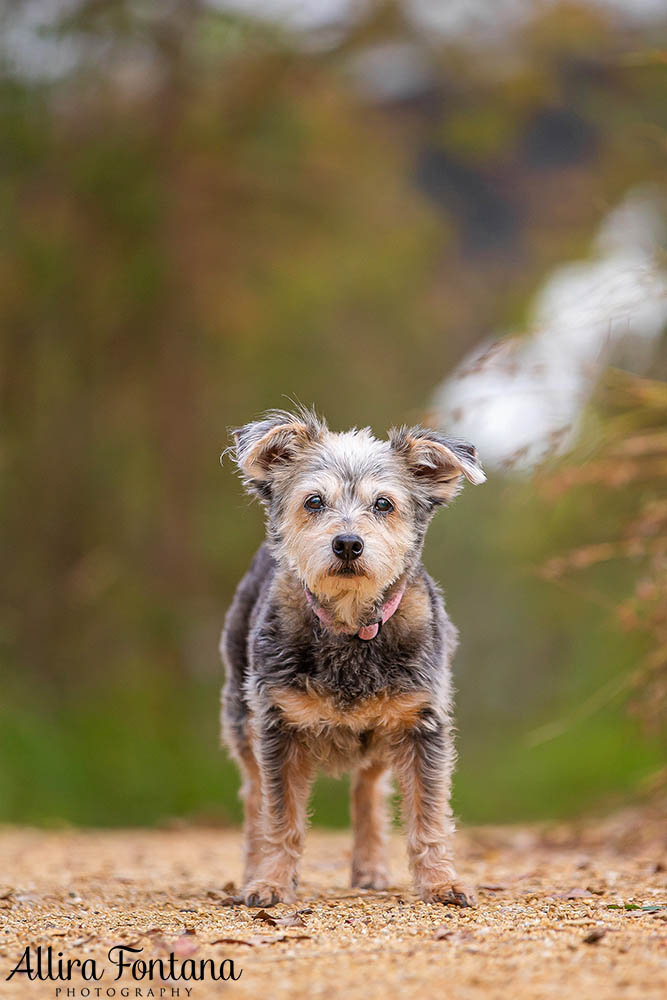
(284, 826)
(251, 794)
(430, 828)
(371, 826)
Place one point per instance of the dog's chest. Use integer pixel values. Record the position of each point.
(353, 670)
(310, 709)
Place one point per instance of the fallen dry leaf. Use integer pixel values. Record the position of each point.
(230, 940)
(265, 917)
(288, 937)
(595, 935)
(280, 920)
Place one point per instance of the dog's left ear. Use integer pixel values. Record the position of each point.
(438, 464)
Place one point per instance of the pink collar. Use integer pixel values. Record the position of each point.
(366, 631)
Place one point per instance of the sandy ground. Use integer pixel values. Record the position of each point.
(564, 911)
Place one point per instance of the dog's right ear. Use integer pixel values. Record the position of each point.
(262, 447)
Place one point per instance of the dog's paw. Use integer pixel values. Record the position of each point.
(449, 894)
(263, 893)
(368, 877)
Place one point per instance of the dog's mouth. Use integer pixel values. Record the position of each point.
(347, 569)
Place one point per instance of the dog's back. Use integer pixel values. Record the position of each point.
(234, 647)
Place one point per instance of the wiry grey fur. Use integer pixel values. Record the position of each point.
(300, 694)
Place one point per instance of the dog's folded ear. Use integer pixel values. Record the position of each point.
(264, 446)
(437, 464)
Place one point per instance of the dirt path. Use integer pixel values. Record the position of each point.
(163, 891)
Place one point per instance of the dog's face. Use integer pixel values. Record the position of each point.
(348, 512)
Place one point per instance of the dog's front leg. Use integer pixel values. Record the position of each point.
(286, 775)
(423, 762)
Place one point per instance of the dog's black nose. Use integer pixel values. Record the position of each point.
(347, 547)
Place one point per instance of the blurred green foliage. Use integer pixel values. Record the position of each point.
(209, 218)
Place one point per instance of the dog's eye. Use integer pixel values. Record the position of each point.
(383, 506)
(314, 502)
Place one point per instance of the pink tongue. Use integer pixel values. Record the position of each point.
(368, 631)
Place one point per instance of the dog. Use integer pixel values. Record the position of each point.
(337, 647)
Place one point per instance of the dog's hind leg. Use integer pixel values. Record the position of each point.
(251, 794)
(371, 826)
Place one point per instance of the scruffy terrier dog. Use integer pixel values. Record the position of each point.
(337, 647)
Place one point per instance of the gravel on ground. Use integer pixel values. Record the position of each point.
(564, 910)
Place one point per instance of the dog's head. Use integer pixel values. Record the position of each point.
(348, 512)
